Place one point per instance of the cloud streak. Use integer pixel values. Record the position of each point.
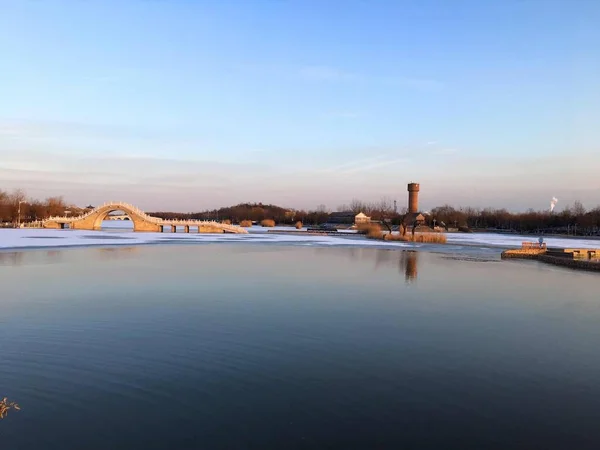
(352, 164)
(375, 165)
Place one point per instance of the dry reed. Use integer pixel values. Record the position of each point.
(226, 222)
(372, 230)
(6, 406)
(429, 238)
(246, 223)
(298, 225)
(267, 223)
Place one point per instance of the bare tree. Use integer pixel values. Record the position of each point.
(385, 206)
(55, 206)
(578, 210)
(357, 206)
(15, 198)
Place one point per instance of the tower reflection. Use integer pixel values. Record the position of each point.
(408, 264)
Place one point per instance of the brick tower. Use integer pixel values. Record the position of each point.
(413, 198)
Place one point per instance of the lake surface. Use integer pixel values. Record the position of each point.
(235, 346)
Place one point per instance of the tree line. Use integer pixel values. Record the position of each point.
(256, 212)
(573, 219)
(15, 206)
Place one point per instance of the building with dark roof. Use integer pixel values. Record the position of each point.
(341, 218)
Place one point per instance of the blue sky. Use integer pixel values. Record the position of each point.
(188, 105)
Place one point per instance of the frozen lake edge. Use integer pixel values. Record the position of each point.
(483, 244)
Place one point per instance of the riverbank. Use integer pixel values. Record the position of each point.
(486, 247)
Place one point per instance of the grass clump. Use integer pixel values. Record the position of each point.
(298, 225)
(267, 223)
(374, 231)
(6, 406)
(226, 222)
(428, 238)
(246, 223)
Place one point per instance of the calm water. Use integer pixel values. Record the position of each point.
(234, 347)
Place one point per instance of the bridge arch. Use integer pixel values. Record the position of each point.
(92, 220)
(104, 212)
(141, 221)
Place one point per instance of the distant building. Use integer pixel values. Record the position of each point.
(341, 218)
(411, 219)
(361, 218)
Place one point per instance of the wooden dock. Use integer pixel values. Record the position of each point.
(575, 258)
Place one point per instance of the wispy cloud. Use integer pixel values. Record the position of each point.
(431, 142)
(446, 151)
(376, 165)
(353, 164)
(365, 164)
(54, 128)
(160, 183)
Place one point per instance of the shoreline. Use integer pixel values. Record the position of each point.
(17, 241)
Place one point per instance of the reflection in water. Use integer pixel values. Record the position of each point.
(54, 255)
(408, 260)
(408, 264)
(11, 258)
(233, 342)
(116, 252)
(382, 257)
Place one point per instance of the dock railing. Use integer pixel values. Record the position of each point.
(533, 246)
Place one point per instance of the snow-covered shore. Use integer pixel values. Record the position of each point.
(23, 239)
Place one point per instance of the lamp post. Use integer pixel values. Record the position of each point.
(19, 213)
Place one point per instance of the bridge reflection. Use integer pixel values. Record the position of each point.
(117, 252)
(19, 258)
(11, 258)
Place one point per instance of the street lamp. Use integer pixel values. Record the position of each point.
(19, 214)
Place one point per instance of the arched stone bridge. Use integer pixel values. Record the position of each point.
(92, 220)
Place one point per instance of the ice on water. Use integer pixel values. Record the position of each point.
(15, 239)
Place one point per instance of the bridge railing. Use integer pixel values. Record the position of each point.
(129, 208)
